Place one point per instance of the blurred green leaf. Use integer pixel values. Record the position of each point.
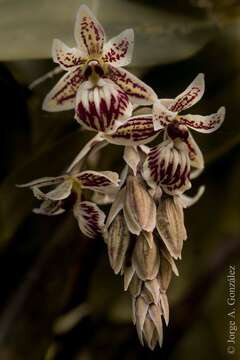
(161, 36)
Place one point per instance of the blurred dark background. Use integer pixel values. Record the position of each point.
(46, 267)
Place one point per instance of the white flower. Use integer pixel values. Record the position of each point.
(169, 167)
(170, 164)
(67, 195)
(102, 93)
(166, 111)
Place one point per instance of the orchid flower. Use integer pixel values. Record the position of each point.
(139, 130)
(101, 91)
(170, 164)
(68, 193)
(166, 111)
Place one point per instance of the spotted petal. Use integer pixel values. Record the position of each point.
(161, 115)
(103, 107)
(67, 58)
(98, 181)
(137, 130)
(204, 124)
(138, 91)
(90, 218)
(118, 51)
(62, 96)
(190, 96)
(195, 154)
(89, 34)
(168, 167)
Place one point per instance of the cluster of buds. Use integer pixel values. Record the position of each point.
(144, 230)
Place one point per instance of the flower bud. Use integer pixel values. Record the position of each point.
(170, 225)
(118, 241)
(139, 207)
(146, 259)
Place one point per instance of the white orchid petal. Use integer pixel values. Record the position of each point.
(101, 111)
(187, 201)
(90, 218)
(67, 58)
(168, 167)
(137, 90)
(42, 211)
(204, 124)
(52, 204)
(167, 102)
(38, 194)
(98, 180)
(57, 70)
(44, 181)
(61, 192)
(48, 207)
(159, 166)
(190, 96)
(89, 34)
(162, 116)
(135, 131)
(195, 173)
(178, 182)
(118, 51)
(63, 95)
(190, 146)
